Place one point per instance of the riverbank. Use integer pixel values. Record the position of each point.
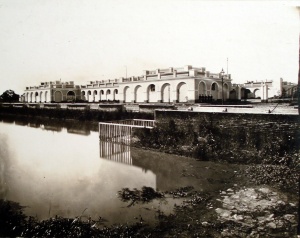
(250, 193)
(211, 200)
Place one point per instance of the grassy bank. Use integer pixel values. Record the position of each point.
(271, 150)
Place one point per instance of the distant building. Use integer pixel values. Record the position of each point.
(53, 92)
(288, 90)
(267, 89)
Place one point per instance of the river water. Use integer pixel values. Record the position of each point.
(66, 171)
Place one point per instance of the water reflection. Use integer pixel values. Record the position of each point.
(53, 170)
(165, 167)
(59, 173)
(117, 152)
(73, 127)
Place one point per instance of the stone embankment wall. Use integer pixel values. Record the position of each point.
(110, 107)
(265, 122)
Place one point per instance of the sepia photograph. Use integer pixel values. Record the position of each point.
(149, 118)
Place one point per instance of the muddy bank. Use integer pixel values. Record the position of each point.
(211, 200)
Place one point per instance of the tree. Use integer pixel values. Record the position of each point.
(9, 96)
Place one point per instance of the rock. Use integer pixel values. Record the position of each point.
(229, 207)
(238, 217)
(261, 219)
(218, 210)
(280, 202)
(271, 225)
(205, 223)
(264, 190)
(270, 218)
(279, 224)
(226, 233)
(289, 217)
(223, 213)
(254, 234)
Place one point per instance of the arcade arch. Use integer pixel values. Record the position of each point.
(95, 93)
(71, 96)
(215, 91)
(182, 92)
(89, 93)
(151, 93)
(41, 94)
(256, 93)
(46, 96)
(127, 94)
(165, 93)
(138, 95)
(226, 91)
(233, 94)
(36, 94)
(108, 93)
(101, 93)
(83, 95)
(114, 94)
(201, 89)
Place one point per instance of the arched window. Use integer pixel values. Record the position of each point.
(213, 87)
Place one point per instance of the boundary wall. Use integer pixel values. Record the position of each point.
(266, 122)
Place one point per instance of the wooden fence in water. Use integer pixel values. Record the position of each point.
(121, 131)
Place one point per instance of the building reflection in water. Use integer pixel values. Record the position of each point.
(165, 167)
(72, 127)
(117, 152)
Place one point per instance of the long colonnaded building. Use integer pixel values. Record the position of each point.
(172, 85)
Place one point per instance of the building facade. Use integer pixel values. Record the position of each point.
(268, 89)
(172, 85)
(56, 91)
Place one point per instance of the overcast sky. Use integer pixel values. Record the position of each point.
(82, 40)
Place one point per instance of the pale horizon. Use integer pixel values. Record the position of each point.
(80, 41)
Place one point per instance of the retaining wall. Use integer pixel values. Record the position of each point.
(227, 120)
